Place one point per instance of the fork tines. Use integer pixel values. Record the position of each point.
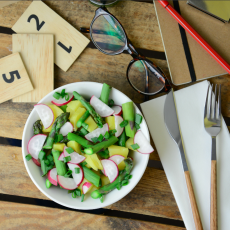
(213, 103)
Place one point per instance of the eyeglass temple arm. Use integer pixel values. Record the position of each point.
(84, 30)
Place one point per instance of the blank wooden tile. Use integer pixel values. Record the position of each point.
(14, 79)
(37, 54)
(69, 42)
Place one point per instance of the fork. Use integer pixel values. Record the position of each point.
(212, 123)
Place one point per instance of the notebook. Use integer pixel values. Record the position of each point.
(190, 106)
(214, 31)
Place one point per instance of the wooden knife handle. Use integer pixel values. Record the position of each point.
(213, 217)
(192, 198)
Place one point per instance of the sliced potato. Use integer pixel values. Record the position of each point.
(121, 166)
(111, 122)
(96, 161)
(118, 150)
(129, 142)
(73, 106)
(90, 162)
(59, 146)
(75, 146)
(76, 116)
(92, 124)
(104, 180)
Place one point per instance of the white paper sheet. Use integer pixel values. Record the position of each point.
(190, 107)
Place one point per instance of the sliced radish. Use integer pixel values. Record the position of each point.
(97, 132)
(62, 101)
(100, 107)
(111, 169)
(75, 157)
(103, 172)
(60, 158)
(66, 183)
(66, 128)
(117, 159)
(118, 120)
(143, 143)
(35, 145)
(52, 176)
(36, 162)
(46, 114)
(78, 177)
(85, 187)
(117, 109)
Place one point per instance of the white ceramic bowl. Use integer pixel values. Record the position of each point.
(61, 196)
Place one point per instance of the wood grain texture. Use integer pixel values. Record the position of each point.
(37, 54)
(22, 216)
(6, 3)
(156, 198)
(51, 23)
(195, 211)
(14, 79)
(214, 214)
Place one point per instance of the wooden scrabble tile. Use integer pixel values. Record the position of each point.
(14, 79)
(69, 42)
(38, 56)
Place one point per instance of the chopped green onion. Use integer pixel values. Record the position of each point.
(112, 132)
(50, 158)
(130, 176)
(68, 174)
(66, 96)
(69, 150)
(94, 139)
(125, 182)
(89, 151)
(47, 162)
(52, 163)
(119, 186)
(41, 155)
(48, 183)
(138, 118)
(106, 136)
(67, 159)
(104, 154)
(101, 199)
(127, 177)
(43, 167)
(57, 95)
(82, 197)
(100, 138)
(63, 108)
(111, 102)
(84, 131)
(83, 163)
(58, 138)
(63, 93)
(28, 157)
(135, 146)
(123, 123)
(77, 170)
(78, 192)
(84, 125)
(74, 195)
(137, 126)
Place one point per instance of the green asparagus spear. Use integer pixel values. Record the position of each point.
(60, 165)
(105, 93)
(59, 122)
(82, 119)
(129, 115)
(122, 139)
(101, 146)
(37, 127)
(80, 140)
(117, 183)
(95, 115)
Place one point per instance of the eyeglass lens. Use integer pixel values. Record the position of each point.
(144, 79)
(108, 34)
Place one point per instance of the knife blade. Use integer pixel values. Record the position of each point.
(173, 127)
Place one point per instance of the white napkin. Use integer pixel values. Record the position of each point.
(190, 103)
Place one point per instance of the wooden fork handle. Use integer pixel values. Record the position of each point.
(192, 198)
(213, 215)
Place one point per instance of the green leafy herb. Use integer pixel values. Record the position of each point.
(135, 146)
(69, 150)
(67, 159)
(28, 157)
(83, 163)
(104, 154)
(77, 170)
(57, 95)
(123, 123)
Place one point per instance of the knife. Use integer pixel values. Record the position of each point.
(171, 122)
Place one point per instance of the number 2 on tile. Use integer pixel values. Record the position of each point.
(68, 50)
(39, 26)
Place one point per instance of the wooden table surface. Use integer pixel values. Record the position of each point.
(151, 204)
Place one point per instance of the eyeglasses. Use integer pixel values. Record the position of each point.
(110, 38)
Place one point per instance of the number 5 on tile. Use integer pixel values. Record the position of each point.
(69, 42)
